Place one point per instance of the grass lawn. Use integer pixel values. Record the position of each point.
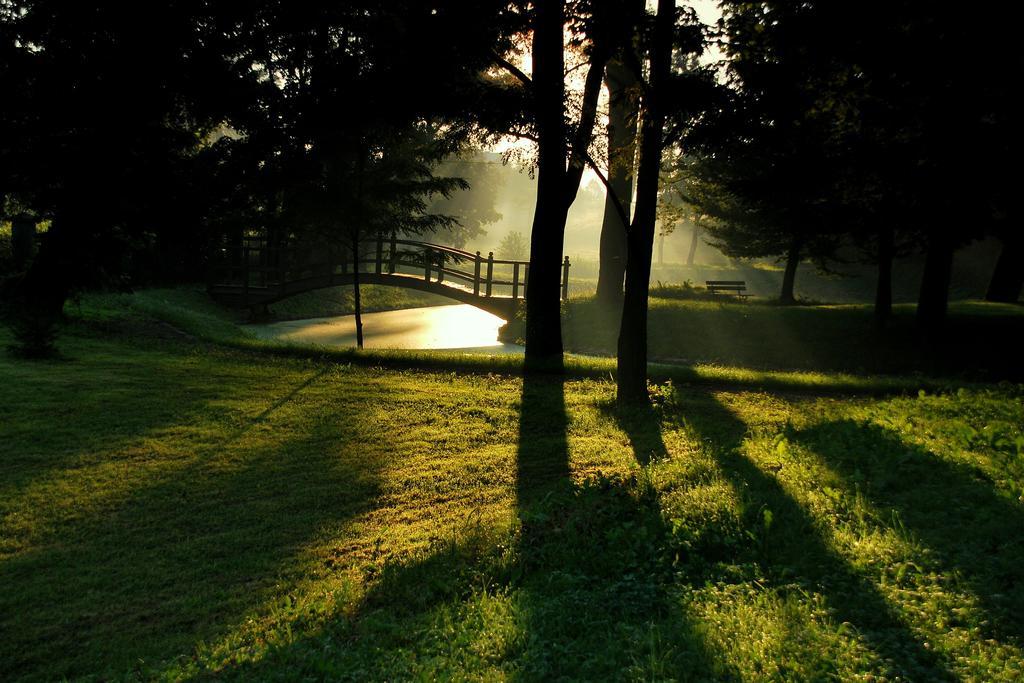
(332, 301)
(171, 509)
(981, 340)
(321, 303)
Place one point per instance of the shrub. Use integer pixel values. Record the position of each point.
(35, 333)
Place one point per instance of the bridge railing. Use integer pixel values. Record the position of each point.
(256, 267)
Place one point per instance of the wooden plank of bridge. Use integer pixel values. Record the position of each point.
(515, 281)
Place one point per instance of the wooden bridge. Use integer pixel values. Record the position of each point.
(253, 274)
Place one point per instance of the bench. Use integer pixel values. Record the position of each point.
(737, 287)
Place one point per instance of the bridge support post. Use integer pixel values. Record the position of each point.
(393, 255)
(380, 253)
(428, 256)
(515, 282)
(490, 271)
(476, 275)
(565, 279)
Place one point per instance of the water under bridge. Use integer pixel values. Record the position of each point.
(254, 274)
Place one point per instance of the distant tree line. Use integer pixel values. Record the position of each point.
(148, 135)
(882, 129)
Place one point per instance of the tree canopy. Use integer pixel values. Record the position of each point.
(145, 135)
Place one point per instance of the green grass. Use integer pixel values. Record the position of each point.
(981, 340)
(188, 306)
(723, 340)
(172, 509)
(191, 311)
(847, 283)
(333, 301)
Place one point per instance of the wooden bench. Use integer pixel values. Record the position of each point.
(737, 287)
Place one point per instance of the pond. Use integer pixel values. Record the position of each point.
(462, 327)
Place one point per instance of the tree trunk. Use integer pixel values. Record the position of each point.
(23, 238)
(557, 182)
(938, 270)
(632, 347)
(357, 301)
(661, 248)
(543, 294)
(883, 290)
(694, 239)
(787, 296)
(65, 256)
(622, 119)
(1008, 277)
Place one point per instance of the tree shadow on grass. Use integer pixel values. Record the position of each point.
(975, 534)
(542, 456)
(795, 551)
(577, 588)
(596, 558)
(181, 559)
(73, 415)
(642, 424)
(818, 338)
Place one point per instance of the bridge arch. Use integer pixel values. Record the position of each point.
(254, 274)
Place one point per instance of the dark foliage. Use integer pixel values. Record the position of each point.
(885, 128)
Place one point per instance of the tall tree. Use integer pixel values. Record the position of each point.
(1008, 276)
(543, 316)
(345, 173)
(623, 99)
(513, 247)
(108, 106)
(476, 207)
(632, 345)
(761, 166)
(122, 118)
(888, 109)
(371, 186)
(563, 154)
